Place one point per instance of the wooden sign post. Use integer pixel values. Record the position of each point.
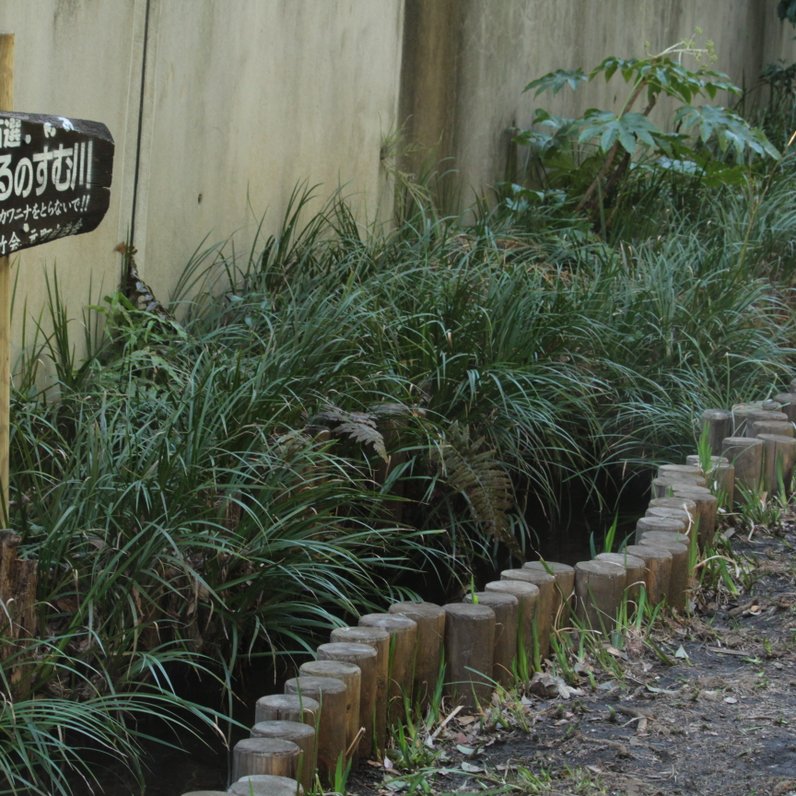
(55, 178)
(6, 103)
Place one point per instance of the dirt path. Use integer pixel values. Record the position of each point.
(707, 706)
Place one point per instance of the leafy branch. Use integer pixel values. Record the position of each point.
(616, 137)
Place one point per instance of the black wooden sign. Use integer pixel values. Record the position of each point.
(55, 178)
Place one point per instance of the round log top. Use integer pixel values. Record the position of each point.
(777, 428)
(786, 399)
(716, 414)
(686, 471)
(756, 406)
(345, 650)
(672, 502)
(418, 610)
(516, 587)
(279, 706)
(780, 439)
(623, 559)
(250, 749)
(477, 613)
(648, 552)
(677, 549)
(665, 536)
(661, 524)
(665, 511)
(696, 493)
(600, 568)
(277, 728)
(535, 576)
(364, 635)
(729, 443)
(329, 668)
(550, 567)
(715, 461)
(265, 785)
(491, 598)
(312, 684)
(393, 623)
(207, 793)
(267, 744)
(764, 415)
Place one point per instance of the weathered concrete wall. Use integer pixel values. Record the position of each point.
(502, 45)
(237, 101)
(241, 100)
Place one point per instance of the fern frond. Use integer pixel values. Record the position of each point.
(357, 426)
(472, 469)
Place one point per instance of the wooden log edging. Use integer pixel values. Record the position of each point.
(474, 641)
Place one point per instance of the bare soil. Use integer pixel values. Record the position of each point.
(706, 704)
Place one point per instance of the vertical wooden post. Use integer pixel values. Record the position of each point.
(469, 653)
(430, 619)
(6, 104)
(379, 639)
(365, 658)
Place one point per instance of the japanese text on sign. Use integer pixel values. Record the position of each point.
(54, 178)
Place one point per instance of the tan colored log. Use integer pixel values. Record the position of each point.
(527, 595)
(788, 402)
(666, 524)
(430, 620)
(720, 478)
(506, 608)
(671, 501)
(365, 657)
(707, 509)
(400, 671)
(599, 589)
(719, 425)
(300, 734)
(265, 756)
(545, 604)
(715, 461)
(746, 455)
(779, 455)
(18, 581)
(379, 640)
(664, 487)
(332, 728)
(351, 675)
(469, 653)
(634, 572)
(763, 419)
(677, 514)
(287, 707)
(689, 473)
(758, 427)
(665, 536)
(680, 577)
(758, 410)
(658, 570)
(564, 591)
(265, 785)
(684, 507)
(9, 544)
